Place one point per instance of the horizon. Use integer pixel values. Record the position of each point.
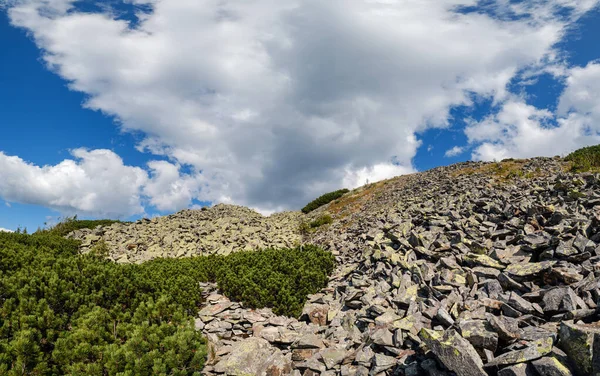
(138, 109)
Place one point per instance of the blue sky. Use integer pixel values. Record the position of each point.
(131, 109)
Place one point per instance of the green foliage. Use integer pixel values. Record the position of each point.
(62, 313)
(323, 200)
(585, 159)
(70, 224)
(322, 220)
(280, 279)
(70, 314)
(307, 227)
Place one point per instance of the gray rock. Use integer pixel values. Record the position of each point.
(550, 366)
(534, 350)
(382, 362)
(254, 356)
(455, 352)
(518, 370)
(581, 343)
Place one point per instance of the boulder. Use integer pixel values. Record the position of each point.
(254, 356)
(455, 352)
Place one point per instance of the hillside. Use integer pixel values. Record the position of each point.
(475, 268)
(471, 269)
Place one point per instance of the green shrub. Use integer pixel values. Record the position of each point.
(585, 159)
(65, 313)
(307, 227)
(322, 220)
(70, 224)
(323, 200)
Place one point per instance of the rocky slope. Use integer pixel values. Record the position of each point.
(472, 269)
(219, 230)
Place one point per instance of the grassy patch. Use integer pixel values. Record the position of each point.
(355, 201)
(323, 200)
(506, 170)
(585, 159)
(306, 227)
(65, 313)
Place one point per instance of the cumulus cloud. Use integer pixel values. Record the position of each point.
(453, 152)
(522, 130)
(168, 190)
(5, 230)
(95, 182)
(270, 102)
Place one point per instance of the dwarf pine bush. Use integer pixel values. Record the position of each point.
(323, 200)
(69, 224)
(585, 159)
(65, 313)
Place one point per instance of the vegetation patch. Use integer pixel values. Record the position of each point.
(66, 313)
(356, 201)
(306, 226)
(585, 159)
(71, 224)
(504, 171)
(324, 200)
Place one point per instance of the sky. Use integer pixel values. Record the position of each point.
(137, 108)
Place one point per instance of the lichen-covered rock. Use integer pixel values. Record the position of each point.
(455, 352)
(254, 356)
(221, 229)
(582, 345)
(550, 366)
(532, 351)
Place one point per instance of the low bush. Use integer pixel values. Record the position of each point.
(323, 200)
(585, 159)
(70, 224)
(65, 313)
(322, 220)
(307, 227)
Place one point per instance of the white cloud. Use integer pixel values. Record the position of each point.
(168, 189)
(456, 150)
(95, 182)
(5, 230)
(356, 178)
(270, 102)
(582, 94)
(521, 130)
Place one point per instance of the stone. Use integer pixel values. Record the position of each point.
(483, 260)
(479, 333)
(382, 362)
(332, 356)
(382, 337)
(528, 269)
(214, 309)
(316, 313)
(550, 366)
(533, 351)
(364, 356)
(308, 341)
(254, 356)
(455, 352)
(518, 370)
(581, 343)
(560, 299)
